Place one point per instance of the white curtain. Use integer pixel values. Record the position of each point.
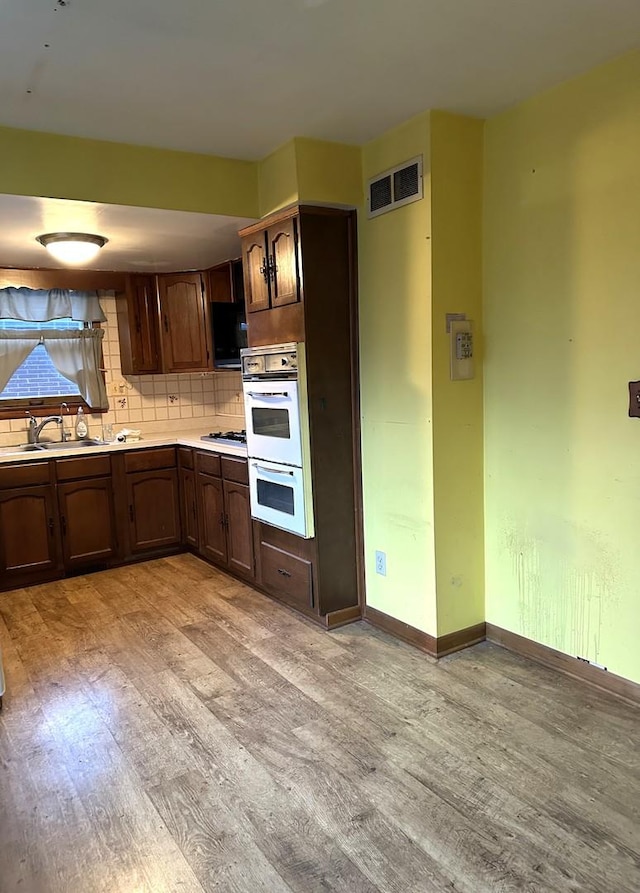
(76, 355)
(14, 350)
(38, 305)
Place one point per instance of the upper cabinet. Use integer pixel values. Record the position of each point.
(138, 326)
(163, 324)
(184, 319)
(271, 260)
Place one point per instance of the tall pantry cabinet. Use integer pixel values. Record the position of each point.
(300, 273)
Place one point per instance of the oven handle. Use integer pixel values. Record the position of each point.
(271, 470)
(267, 394)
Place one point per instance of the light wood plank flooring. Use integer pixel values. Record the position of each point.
(169, 730)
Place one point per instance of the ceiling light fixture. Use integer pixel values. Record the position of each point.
(72, 248)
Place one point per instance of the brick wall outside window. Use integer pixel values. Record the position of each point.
(37, 376)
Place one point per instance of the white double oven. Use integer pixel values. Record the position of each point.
(277, 421)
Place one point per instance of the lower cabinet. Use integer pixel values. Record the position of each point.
(153, 510)
(189, 507)
(239, 529)
(213, 539)
(87, 521)
(224, 513)
(29, 544)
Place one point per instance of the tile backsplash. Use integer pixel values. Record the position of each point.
(146, 401)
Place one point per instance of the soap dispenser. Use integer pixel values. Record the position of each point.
(81, 425)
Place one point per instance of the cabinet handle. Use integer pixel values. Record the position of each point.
(63, 524)
(226, 521)
(283, 572)
(264, 269)
(166, 323)
(271, 266)
(193, 510)
(131, 513)
(51, 526)
(221, 519)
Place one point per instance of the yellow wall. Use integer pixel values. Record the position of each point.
(562, 323)
(456, 214)
(278, 179)
(329, 173)
(44, 164)
(395, 345)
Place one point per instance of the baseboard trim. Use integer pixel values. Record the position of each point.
(434, 647)
(339, 618)
(565, 664)
(401, 630)
(461, 638)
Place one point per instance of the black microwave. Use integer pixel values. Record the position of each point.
(229, 325)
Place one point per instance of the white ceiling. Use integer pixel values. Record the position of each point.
(240, 77)
(140, 239)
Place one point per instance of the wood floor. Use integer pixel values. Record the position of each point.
(167, 729)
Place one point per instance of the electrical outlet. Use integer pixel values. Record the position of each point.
(381, 563)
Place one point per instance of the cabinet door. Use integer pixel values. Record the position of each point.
(256, 275)
(87, 521)
(143, 304)
(221, 284)
(185, 320)
(239, 529)
(28, 533)
(213, 543)
(283, 262)
(189, 508)
(154, 510)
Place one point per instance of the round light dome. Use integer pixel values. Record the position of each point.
(72, 248)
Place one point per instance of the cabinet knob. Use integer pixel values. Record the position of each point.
(283, 572)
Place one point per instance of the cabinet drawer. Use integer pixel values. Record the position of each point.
(185, 457)
(83, 467)
(287, 576)
(209, 463)
(235, 470)
(148, 460)
(24, 474)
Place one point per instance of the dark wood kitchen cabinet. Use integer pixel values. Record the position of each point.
(271, 270)
(29, 544)
(188, 503)
(164, 325)
(224, 513)
(153, 510)
(184, 322)
(138, 326)
(213, 540)
(306, 258)
(87, 521)
(238, 529)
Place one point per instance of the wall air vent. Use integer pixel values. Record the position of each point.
(394, 188)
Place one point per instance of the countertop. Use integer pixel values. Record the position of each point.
(183, 438)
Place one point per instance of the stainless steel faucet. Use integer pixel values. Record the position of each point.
(36, 430)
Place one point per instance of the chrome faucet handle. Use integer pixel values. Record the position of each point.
(32, 424)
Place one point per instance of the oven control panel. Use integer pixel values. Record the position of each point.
(270, 361)
(281, 362)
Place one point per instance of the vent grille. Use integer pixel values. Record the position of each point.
(396, 187)
(380, 194)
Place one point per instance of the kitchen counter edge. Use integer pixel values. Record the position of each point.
(187, 440)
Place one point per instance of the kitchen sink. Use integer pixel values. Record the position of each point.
(57, 445)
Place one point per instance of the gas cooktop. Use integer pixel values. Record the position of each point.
(229, 438)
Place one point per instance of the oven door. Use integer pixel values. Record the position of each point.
(273, 421)
(278, 496)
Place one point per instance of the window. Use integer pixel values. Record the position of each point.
(50, 351)
(37, 378)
